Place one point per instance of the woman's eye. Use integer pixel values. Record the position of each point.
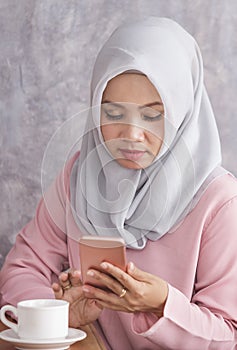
(111, 116)
(152, 118)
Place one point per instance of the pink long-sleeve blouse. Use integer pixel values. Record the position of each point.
(198, 260)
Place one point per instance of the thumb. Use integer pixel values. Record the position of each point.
(136, 273)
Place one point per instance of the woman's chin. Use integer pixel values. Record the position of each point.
(136, 165)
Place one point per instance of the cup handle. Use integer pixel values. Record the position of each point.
(4, 320)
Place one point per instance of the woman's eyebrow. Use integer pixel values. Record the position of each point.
(115, 104)
(152, 104)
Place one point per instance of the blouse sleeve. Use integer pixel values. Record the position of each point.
(40, 251)
(209, 319)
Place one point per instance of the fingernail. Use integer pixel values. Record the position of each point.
(104, 265)
(85, 289)
(90, 273)
(76, 273)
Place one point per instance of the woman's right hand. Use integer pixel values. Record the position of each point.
(81, 310)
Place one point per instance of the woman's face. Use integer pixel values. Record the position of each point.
(132, 120)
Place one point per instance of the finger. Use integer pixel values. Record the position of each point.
(105, 299)
(100, 295)
(75, 278)
(58, 291)
(64, 279)
(106, 280)
(125, 279)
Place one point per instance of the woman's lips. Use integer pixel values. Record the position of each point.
(132, 154)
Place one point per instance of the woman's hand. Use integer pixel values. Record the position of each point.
(81, 309)
(131, 291)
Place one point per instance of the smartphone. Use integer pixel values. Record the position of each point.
(94, 250)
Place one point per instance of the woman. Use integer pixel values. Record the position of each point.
(149, 171)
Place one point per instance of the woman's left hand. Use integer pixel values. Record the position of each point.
(81, 309)
(131, 291)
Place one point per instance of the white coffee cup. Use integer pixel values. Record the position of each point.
(39, 318)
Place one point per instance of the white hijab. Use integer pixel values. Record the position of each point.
(110, 200)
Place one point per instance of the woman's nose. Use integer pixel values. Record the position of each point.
(132, 132)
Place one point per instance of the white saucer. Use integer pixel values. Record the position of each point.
(74, 335)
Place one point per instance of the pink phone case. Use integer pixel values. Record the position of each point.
(94, 250)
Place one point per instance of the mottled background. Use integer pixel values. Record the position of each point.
(47, 49)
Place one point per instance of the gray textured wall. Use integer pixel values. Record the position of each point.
(47, 49)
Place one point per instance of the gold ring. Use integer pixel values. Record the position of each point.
(67, 287)
(124, 291)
